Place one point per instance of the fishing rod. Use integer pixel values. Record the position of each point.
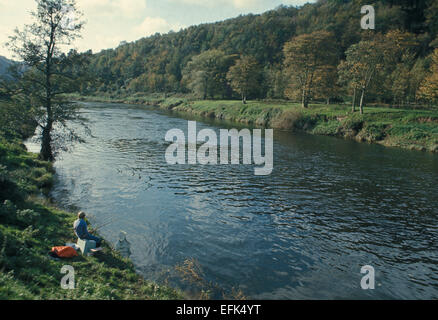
(104, 224)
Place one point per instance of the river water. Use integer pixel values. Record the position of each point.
(329, 207)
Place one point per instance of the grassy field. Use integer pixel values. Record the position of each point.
(409, 129)
(30, 227)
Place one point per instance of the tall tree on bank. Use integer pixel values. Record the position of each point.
(205, 74)
(304, 57)
(349, 78)
(56, 24)
(365, 59)
(326, 86)
(429, 87)
(373, 57)
(245, 76)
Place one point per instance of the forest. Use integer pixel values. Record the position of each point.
(317, 52)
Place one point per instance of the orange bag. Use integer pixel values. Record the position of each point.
(64, 252)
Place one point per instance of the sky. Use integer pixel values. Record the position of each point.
(108, 22)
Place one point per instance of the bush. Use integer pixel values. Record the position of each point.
(352, 123)
(289, 120)
(286, 120)
(28, 216)
(373, 132)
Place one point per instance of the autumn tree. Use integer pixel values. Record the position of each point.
(205, 74)
(349, 78)
(56, 24)
(305, 56)
(417, 75)
(245, 76)
(365, 59)
(429, 87)
(376, 58)
(274, 81)
(326, 83)
(399, 59)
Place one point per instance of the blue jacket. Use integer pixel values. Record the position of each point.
(80, 227)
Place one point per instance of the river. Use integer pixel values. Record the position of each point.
(329, 207)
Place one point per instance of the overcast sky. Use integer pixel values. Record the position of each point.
(111, 21)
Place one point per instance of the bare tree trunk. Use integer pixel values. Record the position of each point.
(304, 99)
(361, 101)
(46, 153)
(353, 108)
(243, 98)
(328, 100)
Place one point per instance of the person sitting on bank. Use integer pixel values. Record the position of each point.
(81, 230)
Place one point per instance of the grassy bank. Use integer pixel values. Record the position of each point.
(409, 129)
(30, 226)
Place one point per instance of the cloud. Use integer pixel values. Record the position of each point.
(152, 25)
(126, 8)
(111, 39)
(108, 22)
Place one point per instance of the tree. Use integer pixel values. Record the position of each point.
(326, 86)
(274, 82)
(417, 75)
(429, 87)
(305, 55)
(205, 74)
(349, 77)
(55, 25)
(245, 76)
(16, 118)
(376, 58)
(364, 59)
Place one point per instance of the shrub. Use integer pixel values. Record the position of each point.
(288, 120)
(373, 132)
(29, 234)
(27, 216)
(45, 181)
(352, 123)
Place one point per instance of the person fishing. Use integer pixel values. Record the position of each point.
(81, 230)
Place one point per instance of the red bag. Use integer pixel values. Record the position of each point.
(64, 252)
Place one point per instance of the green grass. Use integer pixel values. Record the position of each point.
(30, 227)
(412, 129)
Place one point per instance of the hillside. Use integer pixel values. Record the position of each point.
(156, 63)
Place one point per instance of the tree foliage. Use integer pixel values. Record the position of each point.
(429, 87)
(245, 77)
(50, 72)
(205, 74)
(305, 57)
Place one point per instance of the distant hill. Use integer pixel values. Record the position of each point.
(4, 66)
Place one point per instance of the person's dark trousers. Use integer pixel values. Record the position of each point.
(91, 237)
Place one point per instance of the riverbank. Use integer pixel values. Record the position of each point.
(30, 226)
(408, 129)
